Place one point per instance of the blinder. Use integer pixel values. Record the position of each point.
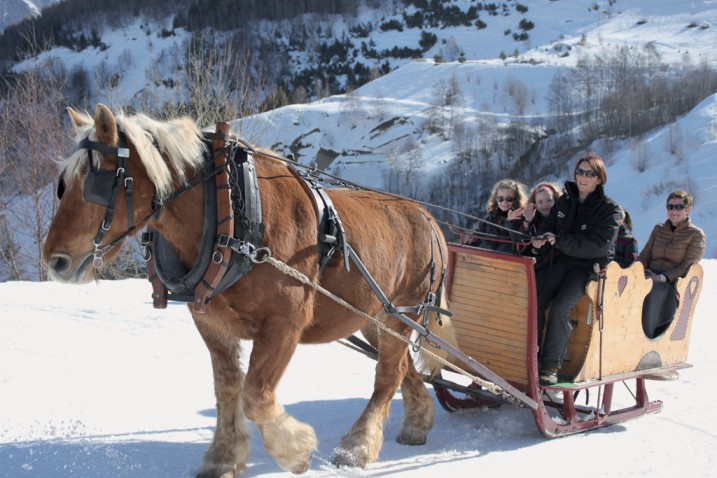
(100, 183)
(61, 186)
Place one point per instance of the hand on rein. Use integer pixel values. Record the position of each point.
(539, 241)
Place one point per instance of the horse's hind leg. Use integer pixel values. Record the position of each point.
(363, 443)
(289, 441)
(228, 453)
(418, 408)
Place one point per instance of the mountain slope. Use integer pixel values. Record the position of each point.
(14, 11)
(444, 131)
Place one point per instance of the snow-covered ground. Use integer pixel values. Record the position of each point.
(95, 383)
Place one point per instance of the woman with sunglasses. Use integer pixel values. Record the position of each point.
(582, 227)
(505, 213)
(672, 248)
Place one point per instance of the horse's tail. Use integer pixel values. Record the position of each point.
(444, 329)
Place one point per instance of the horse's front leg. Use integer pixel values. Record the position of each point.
(363, 443)
(228, 453)
(289, 441)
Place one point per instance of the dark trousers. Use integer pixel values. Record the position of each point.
(659, 308)
(563, 285)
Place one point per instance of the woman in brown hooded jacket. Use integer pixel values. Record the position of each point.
(672, 248)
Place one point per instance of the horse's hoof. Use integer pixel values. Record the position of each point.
(228, 474)
(302, 467)
(415, 438)
(343, 457)
(223, 472)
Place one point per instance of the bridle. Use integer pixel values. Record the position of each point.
(102, 187)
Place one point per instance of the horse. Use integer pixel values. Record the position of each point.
(397, 240)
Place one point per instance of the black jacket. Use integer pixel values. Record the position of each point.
(487, 228)
(585, 232)
(545, 255)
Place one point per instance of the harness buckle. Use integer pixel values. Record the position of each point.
(98, 254)
(123, 152)
(223, 240)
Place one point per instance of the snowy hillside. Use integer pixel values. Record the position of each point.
(14, 11)
(399, 129)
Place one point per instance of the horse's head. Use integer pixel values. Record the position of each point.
(108, 186)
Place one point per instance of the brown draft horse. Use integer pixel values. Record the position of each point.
(392, 237)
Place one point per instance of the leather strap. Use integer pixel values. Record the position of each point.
(331, 235)
(159, 291)
(225, 224)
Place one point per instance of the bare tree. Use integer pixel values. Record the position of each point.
(351, 110)
(674, 140)
(31, 124)
(517, 93)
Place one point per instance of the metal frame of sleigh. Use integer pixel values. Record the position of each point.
(493, 300)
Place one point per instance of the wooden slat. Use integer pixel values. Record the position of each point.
(473, 260)
(503, 290)
(495, 327)
(481, 277)
(478, 306)
(508, 345)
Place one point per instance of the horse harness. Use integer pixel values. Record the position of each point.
(233, 231)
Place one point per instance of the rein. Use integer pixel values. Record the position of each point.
(319, 175)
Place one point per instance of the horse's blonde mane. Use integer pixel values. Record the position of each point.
(179, 140)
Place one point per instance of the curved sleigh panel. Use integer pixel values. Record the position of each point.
(623, 347)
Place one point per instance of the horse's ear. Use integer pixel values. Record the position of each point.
(75, 117)
(105, 125)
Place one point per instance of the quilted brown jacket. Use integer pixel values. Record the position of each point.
(672, 252)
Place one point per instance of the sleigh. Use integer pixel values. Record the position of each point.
(493, 299)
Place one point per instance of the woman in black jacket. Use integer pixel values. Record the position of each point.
(582, 227)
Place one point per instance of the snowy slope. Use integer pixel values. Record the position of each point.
(14, 11)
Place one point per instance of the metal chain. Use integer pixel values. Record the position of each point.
(290, 271)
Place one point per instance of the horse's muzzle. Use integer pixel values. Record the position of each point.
(60, 267)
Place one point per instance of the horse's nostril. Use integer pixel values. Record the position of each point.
(59, 262)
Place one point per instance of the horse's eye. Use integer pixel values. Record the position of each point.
(61, 185)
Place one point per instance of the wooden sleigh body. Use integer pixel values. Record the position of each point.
(493, 299)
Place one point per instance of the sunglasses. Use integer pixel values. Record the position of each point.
(678, 207)
(505, 199)
(585, 172)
